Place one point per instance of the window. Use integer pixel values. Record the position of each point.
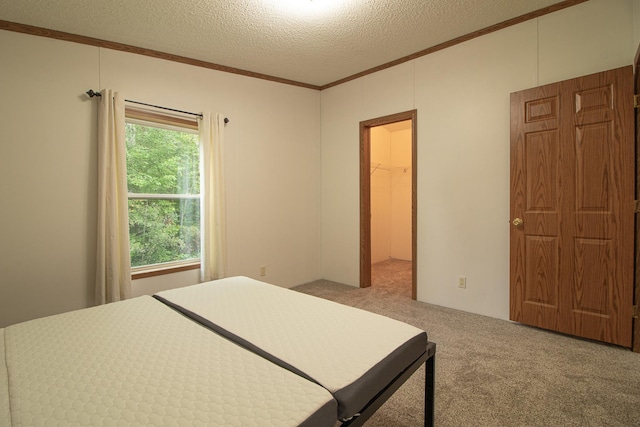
(163, 181)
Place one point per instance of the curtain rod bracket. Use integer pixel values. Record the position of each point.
(92, 93)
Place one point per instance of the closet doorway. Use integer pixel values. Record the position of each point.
(388, 217)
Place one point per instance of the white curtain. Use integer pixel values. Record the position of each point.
(113, 267)
(212, 205)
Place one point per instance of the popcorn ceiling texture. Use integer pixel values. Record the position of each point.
(315, 44)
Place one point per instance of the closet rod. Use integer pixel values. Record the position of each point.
(93, 93)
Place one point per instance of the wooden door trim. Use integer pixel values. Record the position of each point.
(636, 286)
(365, 195)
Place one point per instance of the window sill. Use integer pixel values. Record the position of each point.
(162, 269)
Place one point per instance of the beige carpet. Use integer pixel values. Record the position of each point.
(492, 372)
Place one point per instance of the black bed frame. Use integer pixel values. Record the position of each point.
(429, 359)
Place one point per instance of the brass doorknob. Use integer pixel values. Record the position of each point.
(518, 222)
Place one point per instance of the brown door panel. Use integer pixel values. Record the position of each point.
(572, 184)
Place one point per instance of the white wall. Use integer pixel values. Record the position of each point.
(636, 22)
(400, 180)
(48, 169)
(47, 178)
(380, 149)
(462, 98)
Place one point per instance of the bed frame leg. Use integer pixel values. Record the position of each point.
(429, 391)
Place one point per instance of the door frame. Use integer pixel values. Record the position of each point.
(635, 339)
(365, 195)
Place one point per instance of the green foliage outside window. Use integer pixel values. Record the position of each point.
(162, 162)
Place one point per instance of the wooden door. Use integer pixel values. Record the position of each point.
(572, 206)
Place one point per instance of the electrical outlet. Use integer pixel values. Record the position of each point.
(462, 282)
(263, 270)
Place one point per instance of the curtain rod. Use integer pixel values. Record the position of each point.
(93, 93)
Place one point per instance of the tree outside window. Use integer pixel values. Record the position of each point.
(163, 179)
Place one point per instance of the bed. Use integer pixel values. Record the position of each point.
(234, 352)
(360, 357)
(138, 362)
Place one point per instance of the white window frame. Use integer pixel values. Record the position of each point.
(145, 117)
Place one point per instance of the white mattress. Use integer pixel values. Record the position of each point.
(139, 362)
(352, 353)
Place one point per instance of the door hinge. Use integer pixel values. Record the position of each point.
(636, 312)
(636, 101)
(636, 206)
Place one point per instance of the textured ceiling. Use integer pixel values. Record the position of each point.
(315, 42)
